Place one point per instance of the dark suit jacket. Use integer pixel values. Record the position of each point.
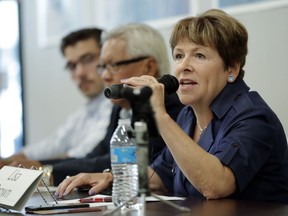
(99, 158)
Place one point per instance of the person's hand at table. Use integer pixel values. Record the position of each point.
(3, 162)
(97, 181)
(24, 163)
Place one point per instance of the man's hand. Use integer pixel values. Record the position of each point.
(4, 162)
(97, 181)
(15, 160)
(26, 163)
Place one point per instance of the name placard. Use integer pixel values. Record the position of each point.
(17, 185)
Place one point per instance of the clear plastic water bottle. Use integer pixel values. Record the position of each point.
(124, 165)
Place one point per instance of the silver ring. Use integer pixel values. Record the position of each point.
(67, 177)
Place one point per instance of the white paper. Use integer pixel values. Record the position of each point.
(148, 199)
(91, 204)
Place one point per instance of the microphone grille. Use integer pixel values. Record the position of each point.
(107, 92)
(170, 82)
(114, 91)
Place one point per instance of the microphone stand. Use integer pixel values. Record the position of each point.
(144, 125)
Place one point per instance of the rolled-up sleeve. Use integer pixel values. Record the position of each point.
(163, 166)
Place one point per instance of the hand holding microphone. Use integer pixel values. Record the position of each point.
(170, 83)
(139, 98)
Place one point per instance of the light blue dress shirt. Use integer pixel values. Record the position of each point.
(81, 132)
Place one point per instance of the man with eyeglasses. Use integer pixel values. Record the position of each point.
(85, 128)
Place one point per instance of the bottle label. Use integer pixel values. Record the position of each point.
(121, 155)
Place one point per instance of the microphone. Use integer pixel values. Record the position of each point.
(170, 83)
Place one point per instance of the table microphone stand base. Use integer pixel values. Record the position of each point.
(143, 206)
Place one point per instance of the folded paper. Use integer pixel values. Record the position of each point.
(17, 185)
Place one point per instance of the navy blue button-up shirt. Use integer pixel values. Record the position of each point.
(246, 135)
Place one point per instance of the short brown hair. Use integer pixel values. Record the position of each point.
(79, 35)
(216, 29)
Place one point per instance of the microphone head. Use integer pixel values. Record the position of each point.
(107, 92)
(170, 82)
(113, 92)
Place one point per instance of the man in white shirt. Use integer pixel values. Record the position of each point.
(84, 129)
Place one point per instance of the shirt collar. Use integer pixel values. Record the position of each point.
(229, 94)
(96, 101)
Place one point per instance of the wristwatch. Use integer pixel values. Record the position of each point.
(107, 170)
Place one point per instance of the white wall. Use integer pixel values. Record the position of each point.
(51, 96)
(267, 62)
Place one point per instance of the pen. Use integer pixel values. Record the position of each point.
(95, 200)
(62, 211)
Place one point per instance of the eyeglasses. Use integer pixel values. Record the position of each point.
(112, 67)
(85, 60)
